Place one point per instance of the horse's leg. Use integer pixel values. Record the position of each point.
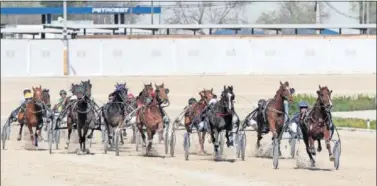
(29, 126)
(271, 120)
(85, 131)
(80, 134)
(140, 127)
(216, 143)
(327, 137)
(19, 137)
(259, 136)
(150, 134)
(319, 148)
(311, 146)
(306, 141)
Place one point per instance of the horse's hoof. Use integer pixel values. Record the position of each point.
(319, 149)
(332, 158)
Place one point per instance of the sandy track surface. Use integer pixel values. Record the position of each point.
(26, 167)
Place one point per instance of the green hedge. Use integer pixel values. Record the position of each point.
(340, 103)
(353, 123)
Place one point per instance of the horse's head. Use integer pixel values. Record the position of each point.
(324, 97)
(121, 92)
(37, 95)
(88, 88)
(227, 97)
(206, 95)
(162, 93)
(46, 97)
(285, 92)
(79, 92)
(73, 88)
(148, 90)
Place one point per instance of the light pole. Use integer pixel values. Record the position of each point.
(317, 15)
(65, 39)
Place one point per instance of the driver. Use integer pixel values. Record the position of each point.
(63, 97)
(27, 96)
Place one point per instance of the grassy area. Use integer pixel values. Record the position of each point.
(340, 103)
(353, 123)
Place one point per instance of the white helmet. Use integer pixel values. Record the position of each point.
(25, 89)
(74, 97)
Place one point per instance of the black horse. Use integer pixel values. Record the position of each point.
(113, 112)
(221, 117)
(83, 114)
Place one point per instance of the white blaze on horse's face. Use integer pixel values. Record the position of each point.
(230, 101)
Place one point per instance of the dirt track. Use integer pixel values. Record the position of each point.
(25, 167)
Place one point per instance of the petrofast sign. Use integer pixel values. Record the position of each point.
(109, 10)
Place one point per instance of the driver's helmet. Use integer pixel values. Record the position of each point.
(192, 101)
(62, 92)
(303, 104)
(27, 90)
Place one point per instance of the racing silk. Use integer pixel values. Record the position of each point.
(61, 104)
(28, 95)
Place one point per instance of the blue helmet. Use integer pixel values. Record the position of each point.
(303, 104)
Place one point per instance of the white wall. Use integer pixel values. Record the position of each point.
(108, 57)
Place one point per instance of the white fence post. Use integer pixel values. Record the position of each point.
(368, 124)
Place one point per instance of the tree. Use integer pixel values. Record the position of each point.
(206, 13)
(293, 12)
(369, 12)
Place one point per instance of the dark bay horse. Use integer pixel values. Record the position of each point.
(84, 115)
(69, 103)
(316, 125)
(273, 112)
(33, 115)
(193, 114)
(220, 118)
(114, 111)
(149, 115)
(47, 101)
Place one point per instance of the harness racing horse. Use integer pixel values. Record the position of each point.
(33, 115)
(84, 116)
(149, 115)
(193, 116)
(220, 118)
(69, 111)
(47, 101)
(114, 111)
(316, 125)
(273, 112)
(163, 101)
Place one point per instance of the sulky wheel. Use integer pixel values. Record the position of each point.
(50, 136)
(186, 144)
(275, 152)
(166, 139)
(242, 145)
(173, 140)
(105, 141)
(337, 151)
(5, 134)
(116, 142)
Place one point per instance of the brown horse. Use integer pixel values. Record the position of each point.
(47, 101)
(316, 125)
(149, 115)
(274, 112)
(33, 115)
(163, 101)
(192, 115)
